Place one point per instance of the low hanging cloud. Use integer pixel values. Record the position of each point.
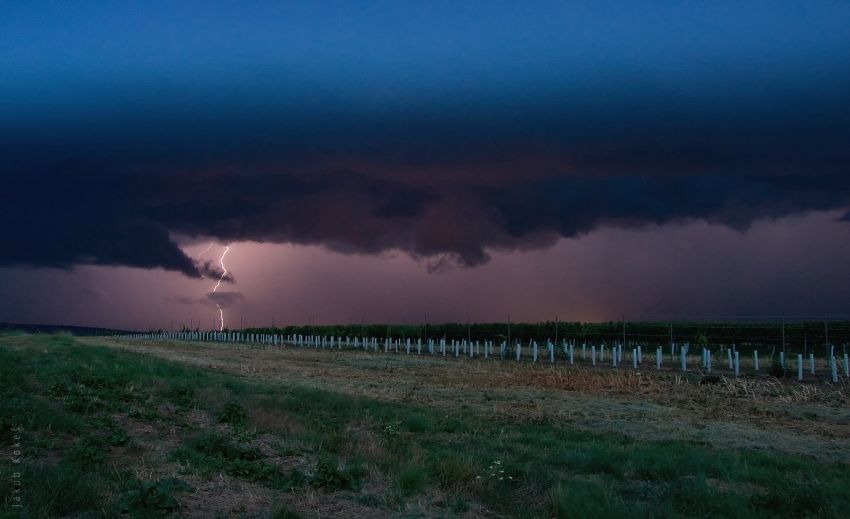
(445, 189)
(455, 224)
(213, 270)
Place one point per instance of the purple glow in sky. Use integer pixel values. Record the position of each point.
(791, 266)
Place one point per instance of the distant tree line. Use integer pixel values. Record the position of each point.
(810, 333)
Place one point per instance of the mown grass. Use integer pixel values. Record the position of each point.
(77, 461)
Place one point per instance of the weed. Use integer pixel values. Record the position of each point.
(391, 431)
(452, 471)
(181, 395)
(233, 414)
(211, 453)
(416, 423)
(153, 498)
(580, 498)
(89, 452)
(62, 491)
(144, 413)
(412, 480)
(293, 479)
(113, 434)
(328, 475)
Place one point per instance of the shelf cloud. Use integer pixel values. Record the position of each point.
(507, 139)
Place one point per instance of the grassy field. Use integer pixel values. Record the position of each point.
(106, 427)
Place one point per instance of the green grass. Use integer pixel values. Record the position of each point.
(233, 414)
(64, 393)
(330, 475)
(153, 498)
(412, 480)
(63, 490)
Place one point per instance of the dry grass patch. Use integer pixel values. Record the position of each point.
(266, 419)
(579, 379)
(225, 496)
(364, 442)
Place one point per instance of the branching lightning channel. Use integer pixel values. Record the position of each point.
(218, 284)
(205, 250)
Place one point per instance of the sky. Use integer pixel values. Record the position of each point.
(403, 161)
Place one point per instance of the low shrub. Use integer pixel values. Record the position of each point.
(153, 498)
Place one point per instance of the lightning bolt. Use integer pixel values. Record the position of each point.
(205, 250)
(218, 284)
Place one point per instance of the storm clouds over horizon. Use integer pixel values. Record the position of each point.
(452, 131)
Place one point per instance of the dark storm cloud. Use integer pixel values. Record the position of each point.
(60, 218)
(480, 133)
(445, 191)
(128, 216)
(213, 270)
